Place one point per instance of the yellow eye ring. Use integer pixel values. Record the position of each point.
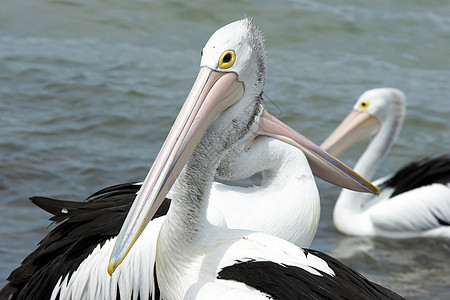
(227, 59)
(364, 104)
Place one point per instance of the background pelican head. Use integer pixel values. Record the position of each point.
(377, 113)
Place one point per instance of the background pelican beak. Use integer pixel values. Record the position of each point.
(322, 164)
(212, 93)
(355, 127)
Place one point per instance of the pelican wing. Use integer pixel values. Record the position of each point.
(272, 279)
(418, 210)
(418, 174)
(284, 271)
(82, 226)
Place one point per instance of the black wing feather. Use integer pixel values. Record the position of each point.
(420, 173)
(289, 282)
(82, 226)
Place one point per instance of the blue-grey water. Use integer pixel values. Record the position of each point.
(89, 89)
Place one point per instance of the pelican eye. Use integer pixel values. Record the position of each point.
(227, 59)
(201, 53)
(364, 105)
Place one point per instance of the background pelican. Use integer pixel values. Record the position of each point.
(196, 259)
(415, 201)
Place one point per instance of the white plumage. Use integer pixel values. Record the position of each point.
(287, 202)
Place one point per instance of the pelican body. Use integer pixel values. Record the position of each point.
(199, 260)
(413, 202)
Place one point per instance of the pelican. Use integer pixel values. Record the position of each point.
(286, 204)
(194, 258)
(279, 206)
(71, 261)
(413, 202)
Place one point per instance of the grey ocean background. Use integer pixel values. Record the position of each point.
(89, 89)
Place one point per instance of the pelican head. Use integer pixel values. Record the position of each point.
(375, 113)
(238, 49)
(222, 108)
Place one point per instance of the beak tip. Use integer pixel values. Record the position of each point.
(377, 191)
(111, 267)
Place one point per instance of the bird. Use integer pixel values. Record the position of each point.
(288, 212)
(415, 201)
(194, 258)
(70, 261)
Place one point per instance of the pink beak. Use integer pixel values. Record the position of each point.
(212, 93)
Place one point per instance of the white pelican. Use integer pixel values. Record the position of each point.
(413, 202)
(71, 261)
(194, 258)
(285, 205)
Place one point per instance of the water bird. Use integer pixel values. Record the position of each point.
(415, 201)
(70, 262)
(286, 204)
(194, 258)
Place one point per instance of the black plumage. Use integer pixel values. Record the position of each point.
(420, 173)
(289, 282)
(81, 226)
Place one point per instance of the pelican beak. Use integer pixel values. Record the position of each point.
(322, 164)
(212, 93)
(355, 127)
